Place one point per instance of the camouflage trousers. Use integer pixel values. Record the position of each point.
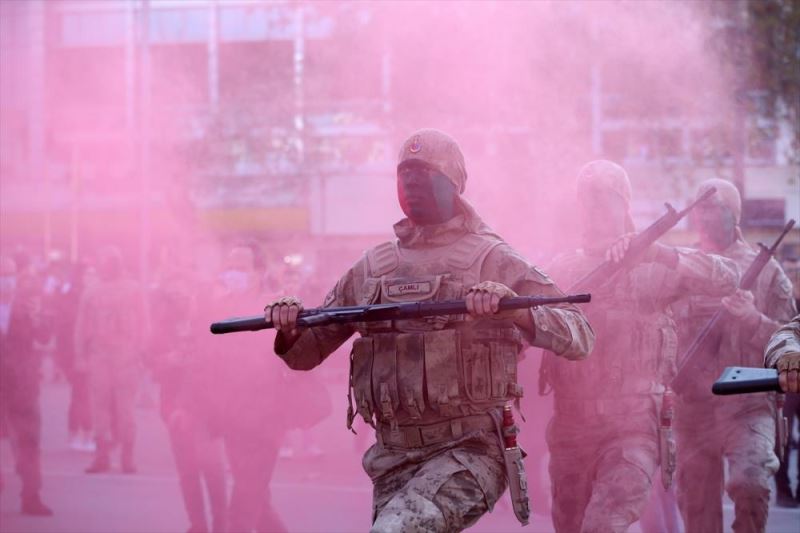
(444, 488)
(602, 469)
(747, 441)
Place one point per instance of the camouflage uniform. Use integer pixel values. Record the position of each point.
(740, 429)
(428, 385)
(20, 367)
(604, 436)
(783, 350)
(785, 340)
(109, 334)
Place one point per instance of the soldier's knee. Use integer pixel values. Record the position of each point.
(409, 512)
(749, 484)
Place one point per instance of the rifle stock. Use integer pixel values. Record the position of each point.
(743, 380)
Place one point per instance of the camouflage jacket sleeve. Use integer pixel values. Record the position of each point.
(561, 329)
(700, 273)
(773, 298)
(785, 340)
(315, 344)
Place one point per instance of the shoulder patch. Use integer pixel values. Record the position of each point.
(383, 258)
(469, 249)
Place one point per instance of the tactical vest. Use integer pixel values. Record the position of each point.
(425, 370)
(635, 344)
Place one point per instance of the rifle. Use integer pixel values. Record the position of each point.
(322, 316)
(602, 273)
(638, 245)
(748, 280)
(745, 380)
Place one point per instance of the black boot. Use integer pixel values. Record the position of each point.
(102, 459)
(32, 506)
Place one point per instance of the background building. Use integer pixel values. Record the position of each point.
(156, 121)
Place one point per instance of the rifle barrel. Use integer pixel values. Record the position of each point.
(344, 315)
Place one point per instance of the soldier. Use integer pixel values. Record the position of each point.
(791, 411)
(187, 372)
(783, 353)
(110, 331)
(433, 388)
(252, 409)
(739, 429)
(604, 435)
(20, 364)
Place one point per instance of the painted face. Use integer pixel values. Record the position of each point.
(603, 215)
(426, 195)
(715, 224)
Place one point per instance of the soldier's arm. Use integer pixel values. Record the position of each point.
(561, 329)
(315, 344)
(677, 271)
(707, 274)
(777, 309)
(785, 341)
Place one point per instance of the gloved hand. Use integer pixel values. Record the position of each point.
(789, 372)
(283, 315)
(483, 300)
(741, 304)
(616, 252)
(656, 251)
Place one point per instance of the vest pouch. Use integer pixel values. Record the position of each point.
(504, 368)
(490, 362)
(371, 293)
(362, 377)
(384, 377)
(669, 353)
(617, 364)
(441, 371)
(411, 373)
(476, 360)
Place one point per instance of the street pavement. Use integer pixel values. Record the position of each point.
(325, 492)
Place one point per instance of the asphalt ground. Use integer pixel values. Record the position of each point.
(312, 492)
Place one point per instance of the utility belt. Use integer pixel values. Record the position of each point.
(623, 405)
(420, 436)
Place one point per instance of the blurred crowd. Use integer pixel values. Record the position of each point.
(113, 341)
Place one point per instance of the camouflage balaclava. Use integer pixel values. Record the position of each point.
(437, 150)
(430, 178)
(605, 186)
(717, 219)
